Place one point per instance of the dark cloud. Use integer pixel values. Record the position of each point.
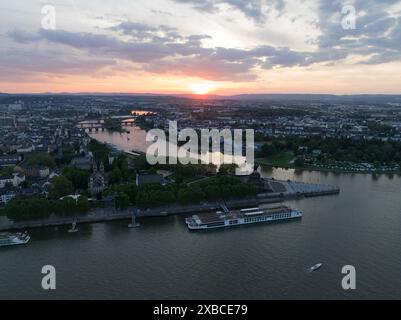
(377, 31)
(207, 67)
(140, 31)
(253, 9)
(18, 63)
(23, 37)
(161, 49)
(179, 54)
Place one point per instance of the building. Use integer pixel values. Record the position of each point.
(25, 148)
(15, 180)
(98, 180)
(112, 158)
(9, 160)
(17, 106)
(30, 192)
(144, 178)
(83, 163)
(7, 122)
(7, 195)
(35, 172)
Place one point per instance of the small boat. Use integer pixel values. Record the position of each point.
(14, 239)
(316, 267)
(74, 228)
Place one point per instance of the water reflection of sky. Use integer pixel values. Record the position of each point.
(134, 140)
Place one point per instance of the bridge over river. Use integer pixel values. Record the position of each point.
(100, 124)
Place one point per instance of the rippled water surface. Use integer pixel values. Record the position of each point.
(163, 260)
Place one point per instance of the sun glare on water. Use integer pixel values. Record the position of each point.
(202, 88)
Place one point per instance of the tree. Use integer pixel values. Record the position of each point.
(67, 206)
(60, 187)
(122, 163)
(115, 176)
(154, 195)
(25, 184)
(299, 162)
(8, 185)
(83, 205)
(179, 179)
(122, 201)
(191, 194)
(35, 208)
(41, 159)
(68, 155)
(129, 189)
(78, 177)
(28, 209)
(100, 151)
(140, 162)
(6, 171)
(268, 150)
(226, 191)
(213, 192)
(228, 169)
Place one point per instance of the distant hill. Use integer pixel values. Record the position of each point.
(282, 96)
(365, 98)
(288, 98)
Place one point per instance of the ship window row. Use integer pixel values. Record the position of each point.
(266, 218)
(257, 219)
(282, 216)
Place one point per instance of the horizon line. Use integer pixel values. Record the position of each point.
(199, 95)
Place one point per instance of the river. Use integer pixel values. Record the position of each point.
(164, 260)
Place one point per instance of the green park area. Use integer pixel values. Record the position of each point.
(282, 159)
(331, 154)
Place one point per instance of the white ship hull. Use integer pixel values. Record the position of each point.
(194, 223)
(14, 240)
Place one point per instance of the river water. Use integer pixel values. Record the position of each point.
(163, 260)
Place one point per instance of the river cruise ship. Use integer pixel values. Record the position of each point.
(222, 219)
(14, 239)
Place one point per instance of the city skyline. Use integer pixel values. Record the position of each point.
(221, 47)
(177, 152)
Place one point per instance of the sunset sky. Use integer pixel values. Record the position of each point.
(200, 46)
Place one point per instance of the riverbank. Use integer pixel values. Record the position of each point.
(283, 165)
(109, 214)
(280, 191)
(142, 263)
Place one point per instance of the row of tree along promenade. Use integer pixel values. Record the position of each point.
(294, 190)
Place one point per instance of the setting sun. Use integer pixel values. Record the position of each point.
(202, 88)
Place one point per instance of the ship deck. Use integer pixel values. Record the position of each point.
(211, 217)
